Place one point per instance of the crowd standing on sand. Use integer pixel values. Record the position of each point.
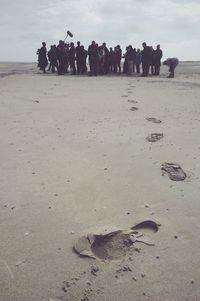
(65, 58)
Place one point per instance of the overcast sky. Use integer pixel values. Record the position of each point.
(175, 24)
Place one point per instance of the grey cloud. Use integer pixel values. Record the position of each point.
(28, 22)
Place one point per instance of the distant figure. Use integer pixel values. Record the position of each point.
(61, 55)
(66, 54)
(134, 61)
(111, 60)
(125, 65)
(146, 59)
(152, 61)
(83, 60)
(172, 63)
(103, 59)
(72, 58)
(42, 57)
(78, 57)
(157, 59)
(118, 57)
(130, 57)
(52, 59)
(93, 58)
(138, 61)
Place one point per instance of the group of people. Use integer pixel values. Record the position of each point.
(65, 58)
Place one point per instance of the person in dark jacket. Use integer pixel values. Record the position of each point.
(172, 63)
(125, 64)
(111, 60)
(52, 59)
(61, 55)
(134, 59)
(42, 58)
(157, 59)
(78, 57)
(152, 61)
(130, 57)
(146, 59)
(83, 60)
(118, 57)
(138, 61)
(72, 58)
(93, 58)
(106, 58)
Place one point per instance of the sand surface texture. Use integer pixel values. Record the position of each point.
(75, 163)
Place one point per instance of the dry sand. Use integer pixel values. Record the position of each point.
(74, 159)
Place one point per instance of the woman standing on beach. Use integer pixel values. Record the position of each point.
(43, 62)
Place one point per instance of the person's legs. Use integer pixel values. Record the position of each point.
(72, 66)
(138, 68)
(171, 70)
(130, 67)
(157, 69)
(119, 66)
(78, 66)
(91, 66)
(145, 69)
(50, 66)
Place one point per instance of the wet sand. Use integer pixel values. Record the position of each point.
(74, 160)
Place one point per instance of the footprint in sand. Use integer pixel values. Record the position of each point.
(174, 171)
(114, 244)
(154, 137)
(134, 109)
(124, 96)
(154, 120)
(132, 101)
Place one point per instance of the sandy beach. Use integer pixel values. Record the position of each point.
(74, 160)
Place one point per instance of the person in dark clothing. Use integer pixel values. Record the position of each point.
(100, 60)
(38, 55)
(125, 65)
(83, 60)
(138, 61)
(42, 58)
(61, 55)
(78, 57)
(72, 58)
(118, 57)
(93, 58)
(52, 59)
(105, 57)
(152, 61)
(134, 59)
(67, 58)
(146, 59)
(49, 58)
(157, 59)
(172, 63)
(130, 57)
(111, 60)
